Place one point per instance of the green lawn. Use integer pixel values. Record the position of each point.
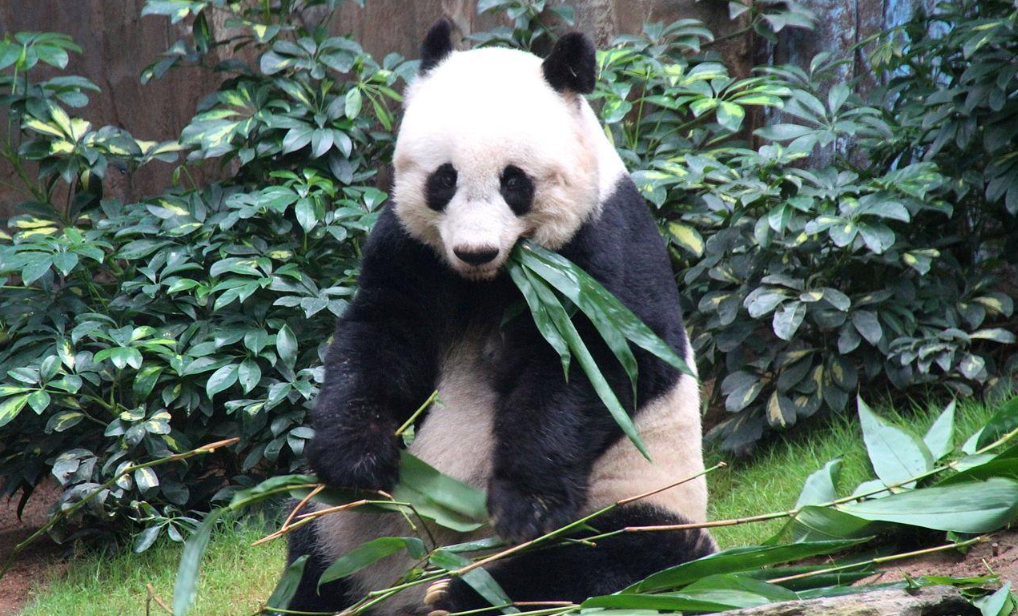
(235, 576)
(772, 479)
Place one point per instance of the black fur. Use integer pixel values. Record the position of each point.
(575, 572)
(572, 65)
(517, 189)
(334, 596)
(440, 187)
(549, 431)
(437, 44)
(411, 306)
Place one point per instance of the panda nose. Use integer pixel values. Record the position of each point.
(476, 256)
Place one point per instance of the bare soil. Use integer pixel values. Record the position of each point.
(36, 564)
(999, 556)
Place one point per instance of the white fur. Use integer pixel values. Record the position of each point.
(483, 110)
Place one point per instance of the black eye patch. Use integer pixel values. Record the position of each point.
(440, 187)
(517, 189)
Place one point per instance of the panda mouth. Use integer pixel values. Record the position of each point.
(480, 272)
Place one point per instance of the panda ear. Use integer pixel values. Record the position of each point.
(437, 44)
(572, 65)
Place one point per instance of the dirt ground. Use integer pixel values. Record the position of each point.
(41, 561)
(999, 556)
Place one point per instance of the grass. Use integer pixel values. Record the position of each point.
(236, 577)
(772, 479)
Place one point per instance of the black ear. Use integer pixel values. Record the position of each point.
(572, 65)
(437, 44)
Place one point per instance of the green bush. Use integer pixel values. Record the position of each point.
(882, 267)
(131, 331)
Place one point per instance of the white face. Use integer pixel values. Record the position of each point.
(488, 152)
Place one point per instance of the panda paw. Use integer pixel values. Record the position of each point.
(366, 461)
(447, 596)
(520, 516)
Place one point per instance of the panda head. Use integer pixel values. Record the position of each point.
(496, 145)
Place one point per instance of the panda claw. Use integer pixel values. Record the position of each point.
(435, 593)
(438, 613)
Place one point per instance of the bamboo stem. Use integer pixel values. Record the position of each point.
(409, 422)
(880, 560)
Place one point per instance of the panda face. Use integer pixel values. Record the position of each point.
(489, 152)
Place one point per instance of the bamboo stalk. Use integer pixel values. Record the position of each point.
(880, 560)
(413, 417)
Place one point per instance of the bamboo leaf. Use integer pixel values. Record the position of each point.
(369, 553)
(819, 486)
(541, 317)
(579, 349)
(438, 497)
(622, 317)
(896, 455)
(478, 579)
(940, 437)
(186, 587)
(288, 584)
(734, 561)
(972, 507)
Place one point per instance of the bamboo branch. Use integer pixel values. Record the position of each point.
(881, 559)
(413, 417)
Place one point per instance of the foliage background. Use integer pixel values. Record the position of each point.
(861, 238)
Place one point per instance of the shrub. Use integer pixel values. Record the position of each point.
(806, 282)
(137, 330)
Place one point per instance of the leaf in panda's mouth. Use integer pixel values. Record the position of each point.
(542, 276)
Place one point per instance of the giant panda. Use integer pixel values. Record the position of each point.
(496, 145)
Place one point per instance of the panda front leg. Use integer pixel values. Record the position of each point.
(574, 572)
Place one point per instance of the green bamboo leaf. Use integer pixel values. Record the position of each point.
(612, 337)
(940, 437)
(579, 349)
(478, 579)
(896, 454)
(1003, 421)
(736, 560)
(186, 587)
(541, 318)
(971, 507)
(438, 497)
(288, 584)
(269, 488)
(819, 487)
(815, 523)
(999, 603)
(622, 317)
(369, 553)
